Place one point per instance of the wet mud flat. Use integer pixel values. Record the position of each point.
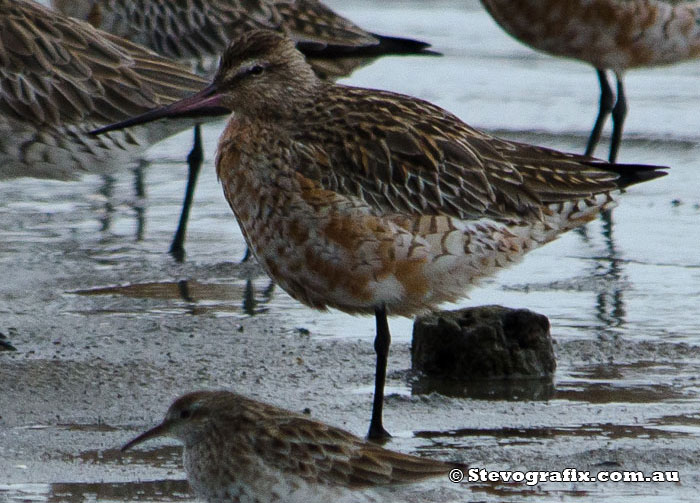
(108, 329)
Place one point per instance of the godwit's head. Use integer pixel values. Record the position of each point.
(261, 74)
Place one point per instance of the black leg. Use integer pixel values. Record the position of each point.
(249, 302)
(606, 106)
(140, 189)
(618, 117)
(194, 159)
(183, 287)
(381, 347)
(107, 190)
(246, 256)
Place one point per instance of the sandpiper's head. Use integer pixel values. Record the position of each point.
(188, 418)
(260, 74)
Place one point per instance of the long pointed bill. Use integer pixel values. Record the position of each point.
(158, 431)
(206, 103)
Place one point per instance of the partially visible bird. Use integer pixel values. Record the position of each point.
(198, 31)
(60, 78)
(373, 202)
(238, 449)
(616, 35)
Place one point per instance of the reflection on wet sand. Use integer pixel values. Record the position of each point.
(169, 457)
(135, 204)
(610, 285)
(610, 306)
(250, 299)
(493, 389)
(155, 490)
(243, 297)
(518, 490)
(523, 436)
(606, 281)
(80, 492)
(633, 382)
(593, 384)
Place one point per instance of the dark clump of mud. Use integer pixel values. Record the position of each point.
(5, 344)
(486, 342)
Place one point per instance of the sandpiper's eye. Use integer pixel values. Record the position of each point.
(185, 413)
(256, 70)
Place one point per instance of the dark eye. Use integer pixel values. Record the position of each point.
(256, 70)
(185, 413)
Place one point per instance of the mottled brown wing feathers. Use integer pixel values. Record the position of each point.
(200, 31)
(55, 70)
(187, 29)
(183, 29)
(320, 452)
(372, 463)
(314, 26)
(405, 155)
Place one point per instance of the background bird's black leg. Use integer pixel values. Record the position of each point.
(606, 106)
(139, 207)
(618, 117)
(382, 342)
(194, 160)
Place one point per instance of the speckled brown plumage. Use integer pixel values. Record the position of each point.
(60, 78)
(612, 35)
(197, 32)
(238, 449)
(374, 202)
(200, 30)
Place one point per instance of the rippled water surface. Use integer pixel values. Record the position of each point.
(622, 297)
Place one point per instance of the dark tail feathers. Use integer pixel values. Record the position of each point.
(631, 174)
(386, 46)
(398, 45)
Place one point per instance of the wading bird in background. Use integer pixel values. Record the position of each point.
(198, 32)
(373, 202)
(615, 35)
(238, 449)
(60, 78)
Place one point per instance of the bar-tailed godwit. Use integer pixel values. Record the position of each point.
(198, 32)
(373, 202)
(615, 35)
(60, 78)
(238, 449)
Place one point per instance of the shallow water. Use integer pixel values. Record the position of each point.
(622, 299)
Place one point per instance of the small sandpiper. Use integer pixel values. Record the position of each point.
(238, 449)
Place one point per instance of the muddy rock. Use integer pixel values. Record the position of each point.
(487, 342)
(5, 343)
